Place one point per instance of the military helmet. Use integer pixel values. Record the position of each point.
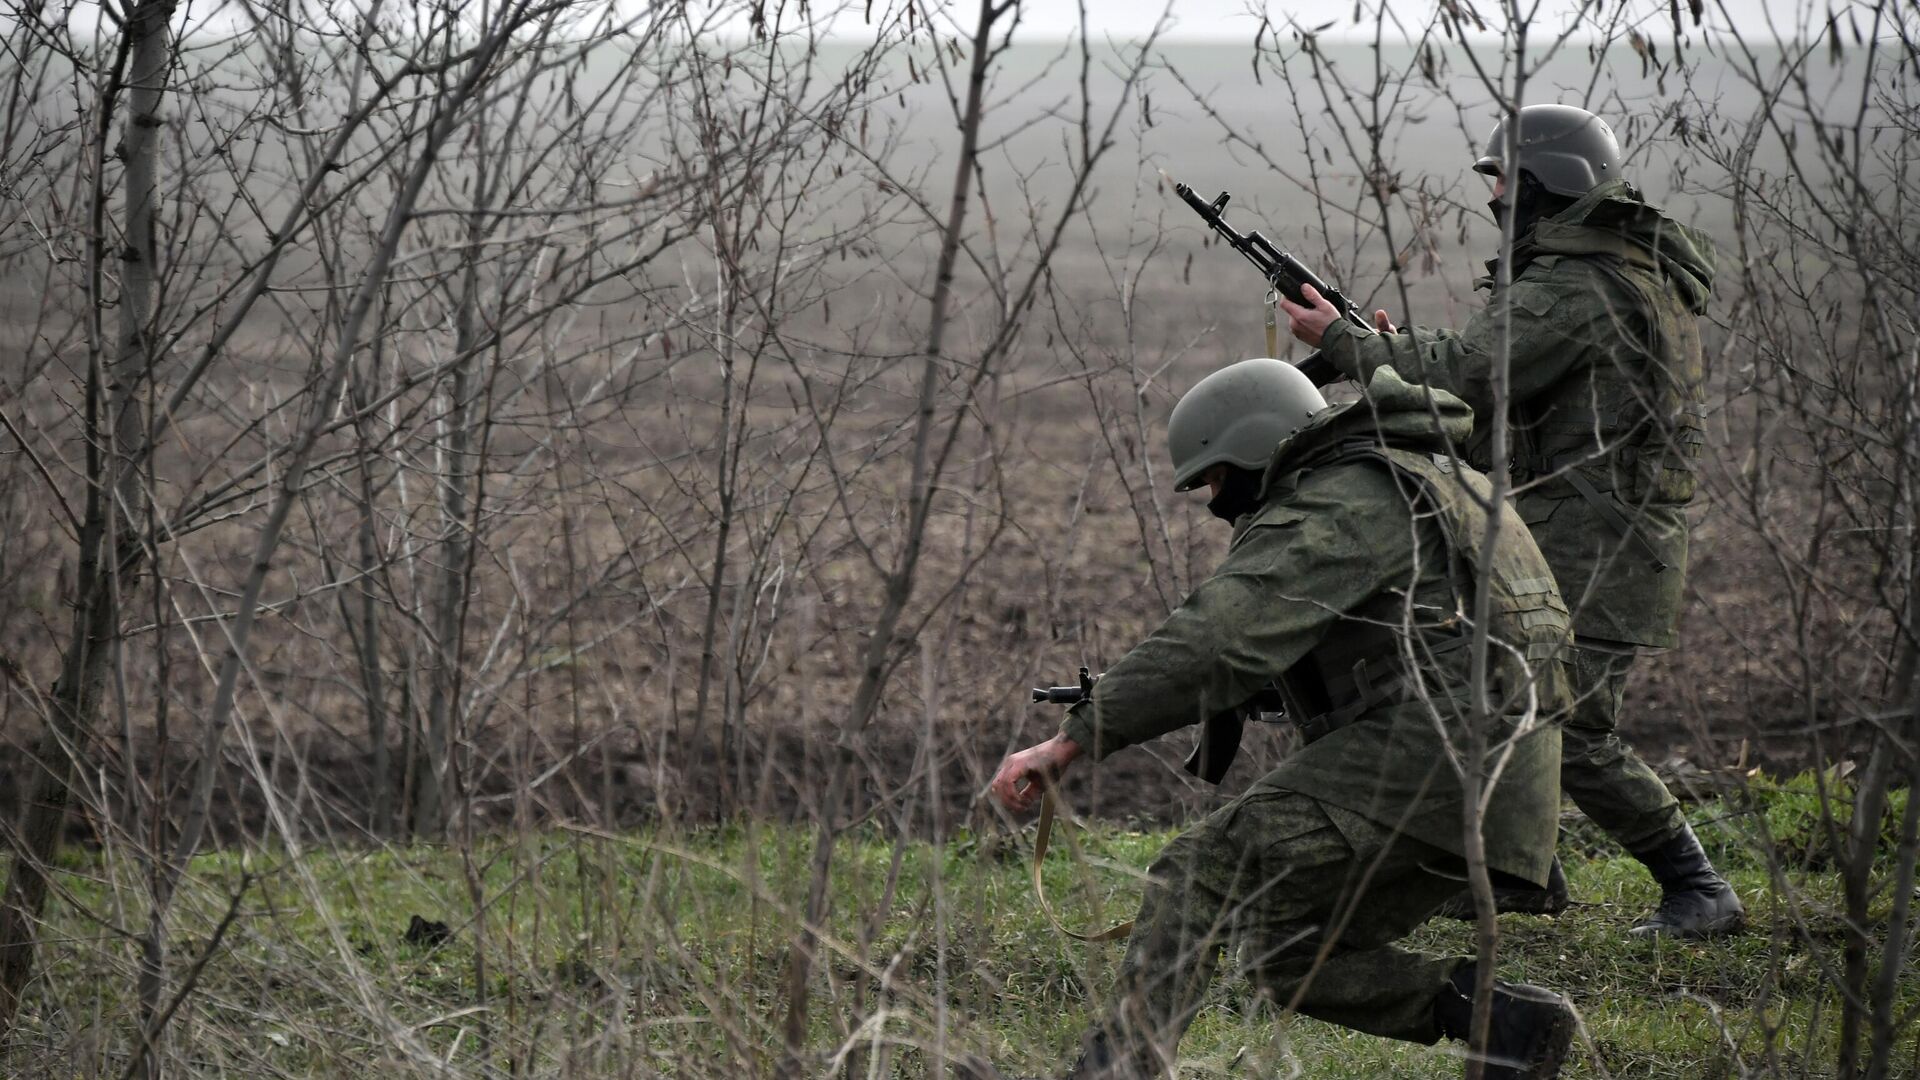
(1237, 415)
(1569, 150)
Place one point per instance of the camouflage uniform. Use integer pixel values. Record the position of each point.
(1351, 585)
(1606, 397)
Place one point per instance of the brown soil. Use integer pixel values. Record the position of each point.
(1054, 596)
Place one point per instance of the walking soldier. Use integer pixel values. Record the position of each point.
(1600, 325)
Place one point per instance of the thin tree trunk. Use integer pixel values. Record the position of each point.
(326, 391)
(372, 679)
(1860, 1005)
(430, 812)
(726, 309)
(1482, 715)
(716, 587)
(108, 560)
(1887, 1027)
(456, 545)
(900, 582)
(1894, 758)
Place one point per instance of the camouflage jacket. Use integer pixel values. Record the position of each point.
(1351, 585)
(1606, 396)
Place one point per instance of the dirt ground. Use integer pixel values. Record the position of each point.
(1085, 554)
(606, 740)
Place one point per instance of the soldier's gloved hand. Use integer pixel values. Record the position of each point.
(1024, 776)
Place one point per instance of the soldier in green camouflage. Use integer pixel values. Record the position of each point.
(1357, 543)
(1600, 325)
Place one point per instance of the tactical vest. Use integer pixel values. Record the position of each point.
(1635, 426)
(1389, 650)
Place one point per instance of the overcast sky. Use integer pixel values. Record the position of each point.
(1233, 20)
(1226, 21)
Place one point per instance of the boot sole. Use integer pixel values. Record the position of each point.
(1550, 1052)
(1546, 1064)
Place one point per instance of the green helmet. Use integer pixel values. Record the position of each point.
(1237, 415)
(1569, 150)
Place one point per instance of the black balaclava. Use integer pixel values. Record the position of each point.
(1239, 495)
(1533, 202)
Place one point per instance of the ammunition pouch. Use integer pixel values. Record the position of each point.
(1566, 467)
(1371, 682)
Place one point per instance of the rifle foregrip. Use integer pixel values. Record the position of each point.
(1301, 276)
(1293, 271)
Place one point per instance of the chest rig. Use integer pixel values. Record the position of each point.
(1633, 425)
(1410, 642)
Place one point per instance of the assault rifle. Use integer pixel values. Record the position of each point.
(1219, 734)
(1284, 273)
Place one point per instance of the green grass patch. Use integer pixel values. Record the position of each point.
(666, 952)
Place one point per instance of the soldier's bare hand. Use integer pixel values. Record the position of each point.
(1381, 322)
(1309, 321)
(1024, 776)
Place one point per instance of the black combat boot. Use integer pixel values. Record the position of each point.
(1528, 1034)
(1509, 900)
(1695, 901)
(1100, 1061)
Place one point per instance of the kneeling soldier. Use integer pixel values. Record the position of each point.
(1357, 545)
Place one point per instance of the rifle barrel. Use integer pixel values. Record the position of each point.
(1282, 270)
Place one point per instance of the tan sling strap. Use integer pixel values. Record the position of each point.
(1043, 834)
(1273, 322)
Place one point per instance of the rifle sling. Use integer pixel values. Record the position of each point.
(1043, 834)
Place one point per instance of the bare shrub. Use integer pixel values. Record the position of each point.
(452, 451)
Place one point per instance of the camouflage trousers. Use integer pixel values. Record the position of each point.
(1312, 895)
(1602, 774)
